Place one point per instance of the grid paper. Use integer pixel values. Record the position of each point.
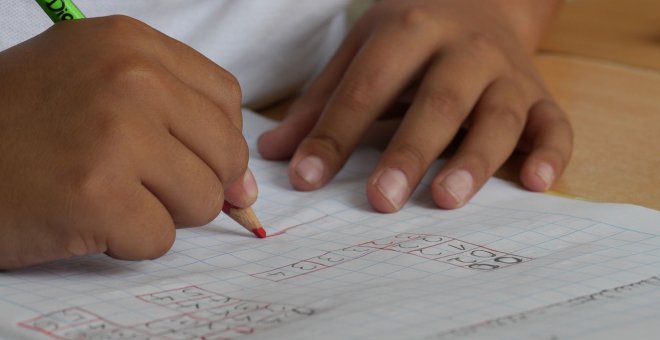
(352, 273)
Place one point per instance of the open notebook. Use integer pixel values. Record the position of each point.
(511, 264)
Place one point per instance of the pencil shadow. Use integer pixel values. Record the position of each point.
(217, 229)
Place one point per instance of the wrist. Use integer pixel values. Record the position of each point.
(530, 19)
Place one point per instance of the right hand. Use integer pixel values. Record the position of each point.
(111, 136)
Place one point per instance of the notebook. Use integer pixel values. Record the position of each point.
(511, 265)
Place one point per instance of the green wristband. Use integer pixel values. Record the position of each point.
(60, 10)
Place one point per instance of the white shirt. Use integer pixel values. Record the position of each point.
(272, 46)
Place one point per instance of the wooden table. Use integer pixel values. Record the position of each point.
(615, 112)
(602, 63)
(622, 31)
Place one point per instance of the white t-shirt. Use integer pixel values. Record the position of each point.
(272, 46)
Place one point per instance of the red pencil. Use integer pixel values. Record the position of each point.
(246, 218)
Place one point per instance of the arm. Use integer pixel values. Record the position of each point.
(530, 19)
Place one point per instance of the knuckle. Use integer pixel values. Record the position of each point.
(416, 18)
(118, 25)
(445, 103)
(110, 129)
(304, 109)
(413, 156)
(480, 164)
(480, 46)
(232, 88)
(90, 188)
(511, 118)
(93, 176)
(82, 244)
(210, 204)
(133, 74)
(355, 97)
(329, 145)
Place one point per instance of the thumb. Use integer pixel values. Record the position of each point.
(243, 191)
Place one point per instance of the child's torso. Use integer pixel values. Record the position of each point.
(272, 46)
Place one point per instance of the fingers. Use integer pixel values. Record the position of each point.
(137, 227)
(205, 76)
(185, 148)
(147, 46)
(189, 164)
(281, 142)
(498, 121)
(377, 74)
(207, 134)
(445, 98)
(187, 187)
(184, 167)
(151, 142)
(243, 191)
(551, 138)
(142, 227)
(206, 131)
(200, 131)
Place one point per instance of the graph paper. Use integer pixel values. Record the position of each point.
(511, 265)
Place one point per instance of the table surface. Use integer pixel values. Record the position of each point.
(621, 31)
(602, 63)
(615, 112)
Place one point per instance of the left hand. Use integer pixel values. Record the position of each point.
(467, 63)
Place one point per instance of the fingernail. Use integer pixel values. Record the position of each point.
(310, 169)
(393, 184)
(546, 173)
(250, 185)
(459, 185)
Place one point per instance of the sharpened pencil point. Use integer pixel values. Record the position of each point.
(246, 218)
(259, 232)
(227, 207)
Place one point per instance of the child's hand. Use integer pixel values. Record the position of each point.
(111, 135)
(462, 63)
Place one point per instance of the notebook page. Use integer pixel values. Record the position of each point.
(511, 264)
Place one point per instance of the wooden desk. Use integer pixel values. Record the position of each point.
(615, 109)
(615, 112)
(623, 31)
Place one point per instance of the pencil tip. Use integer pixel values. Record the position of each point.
(227, 207)
(259, 232)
